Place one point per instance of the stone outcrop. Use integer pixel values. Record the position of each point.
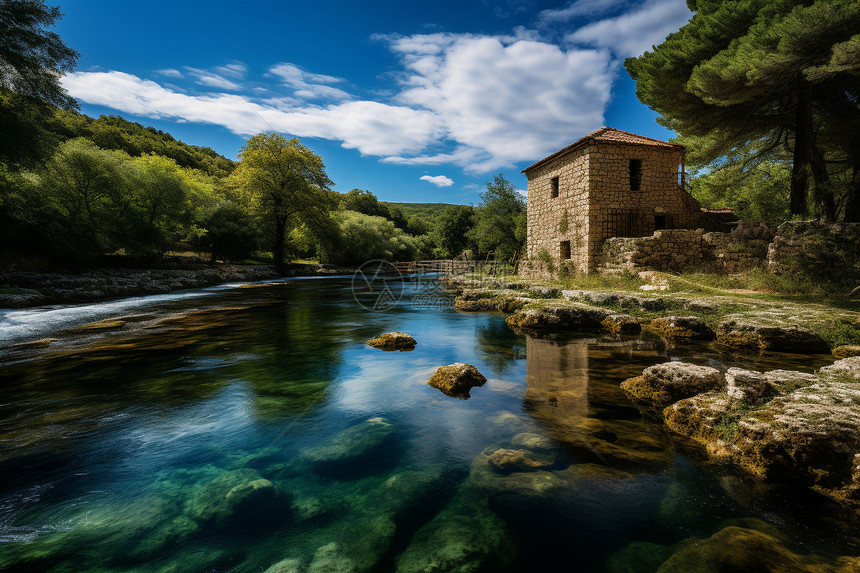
(456, 380)
(745, 386)
(621, 324)
(681, 328)
(663, 384)
(847, 368)
(750, 335)
(559, 318)
(846, 351)
(393, 341)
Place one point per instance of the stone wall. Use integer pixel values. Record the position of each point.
(826, 249)
(552, 220)
(679, 249)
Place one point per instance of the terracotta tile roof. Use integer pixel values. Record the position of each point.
(606, 134)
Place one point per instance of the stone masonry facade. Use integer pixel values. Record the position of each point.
(608, 184)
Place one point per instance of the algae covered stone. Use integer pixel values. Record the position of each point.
(621, 324)
(745, 385)
(352, 447)
(457, 379)
(769, 337)
(393, 341)
(846, 351)
(465, 537)
(239, 496)
(663, 384)
(681, 328)
(509, 460)
(570, 317)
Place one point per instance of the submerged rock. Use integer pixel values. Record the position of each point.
(773, 338)
(570, 317)
(465, 537)
(393, 341)
(663, 384)
(681, 328)
(286, 566)
(457, 379)
(763, 548)
(330, 559)
(239, 496)
(507, 460)
(350, 448)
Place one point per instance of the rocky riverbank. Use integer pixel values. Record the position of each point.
(20, 289)
(737, 323)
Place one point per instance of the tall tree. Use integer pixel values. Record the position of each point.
(284, 182)
(452, 229)
(32, 61)
(766, 75)
(500, 220)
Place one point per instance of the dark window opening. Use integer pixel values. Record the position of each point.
(620, 224)
(661, 222)
(635, 174)
(565, 250)
(554, 187)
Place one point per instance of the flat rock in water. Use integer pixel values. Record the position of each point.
(773, 338)
(393, 341)
(570, 318)
(621, 324)
(663, 384)
(457, 379)
(681, 328)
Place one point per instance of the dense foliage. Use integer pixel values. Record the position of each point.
(774, 79)
(500, 220)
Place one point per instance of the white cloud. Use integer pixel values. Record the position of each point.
(371, 127)
(580, 8)
(308, 85)
(211, 79)
(170, 73)
(480, 102)
(634, 32)
(437, 180)
(503, 101)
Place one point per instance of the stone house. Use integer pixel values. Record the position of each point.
(610, 183)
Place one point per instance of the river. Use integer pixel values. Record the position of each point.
(245, 427)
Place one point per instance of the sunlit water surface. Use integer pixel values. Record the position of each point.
(204, 431)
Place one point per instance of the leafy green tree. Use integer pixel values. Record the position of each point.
(500, 220)
(284, 183)
(32, 60)
(362, 201)
(453, 230)
(765, 75)
(366, 237)
(396, 216)
(229, 232)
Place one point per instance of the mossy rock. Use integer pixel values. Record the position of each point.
(771, 338)
(236, 497)
(393, 341)
(456, 380)
(621, 324)
(356, 449)
(846, 351)
(681, 328)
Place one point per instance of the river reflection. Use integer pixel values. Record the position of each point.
(251, 429)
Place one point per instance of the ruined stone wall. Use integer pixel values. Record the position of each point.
(831, 250)
(552, 220)
(618, 210)
(679, 249)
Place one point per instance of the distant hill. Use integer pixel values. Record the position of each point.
(429, 211)
(115, 132)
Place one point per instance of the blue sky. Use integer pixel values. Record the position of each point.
(414, 101)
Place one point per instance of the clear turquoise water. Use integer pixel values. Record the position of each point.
(188, 438)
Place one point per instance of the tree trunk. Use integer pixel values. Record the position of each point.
(851, 202)
(278, 250)
(802, 149)
(824, 199)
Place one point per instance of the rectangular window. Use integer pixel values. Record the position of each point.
(635, 174)
(620, 224)
(661, 222)
(553, 187)
(565, 250)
